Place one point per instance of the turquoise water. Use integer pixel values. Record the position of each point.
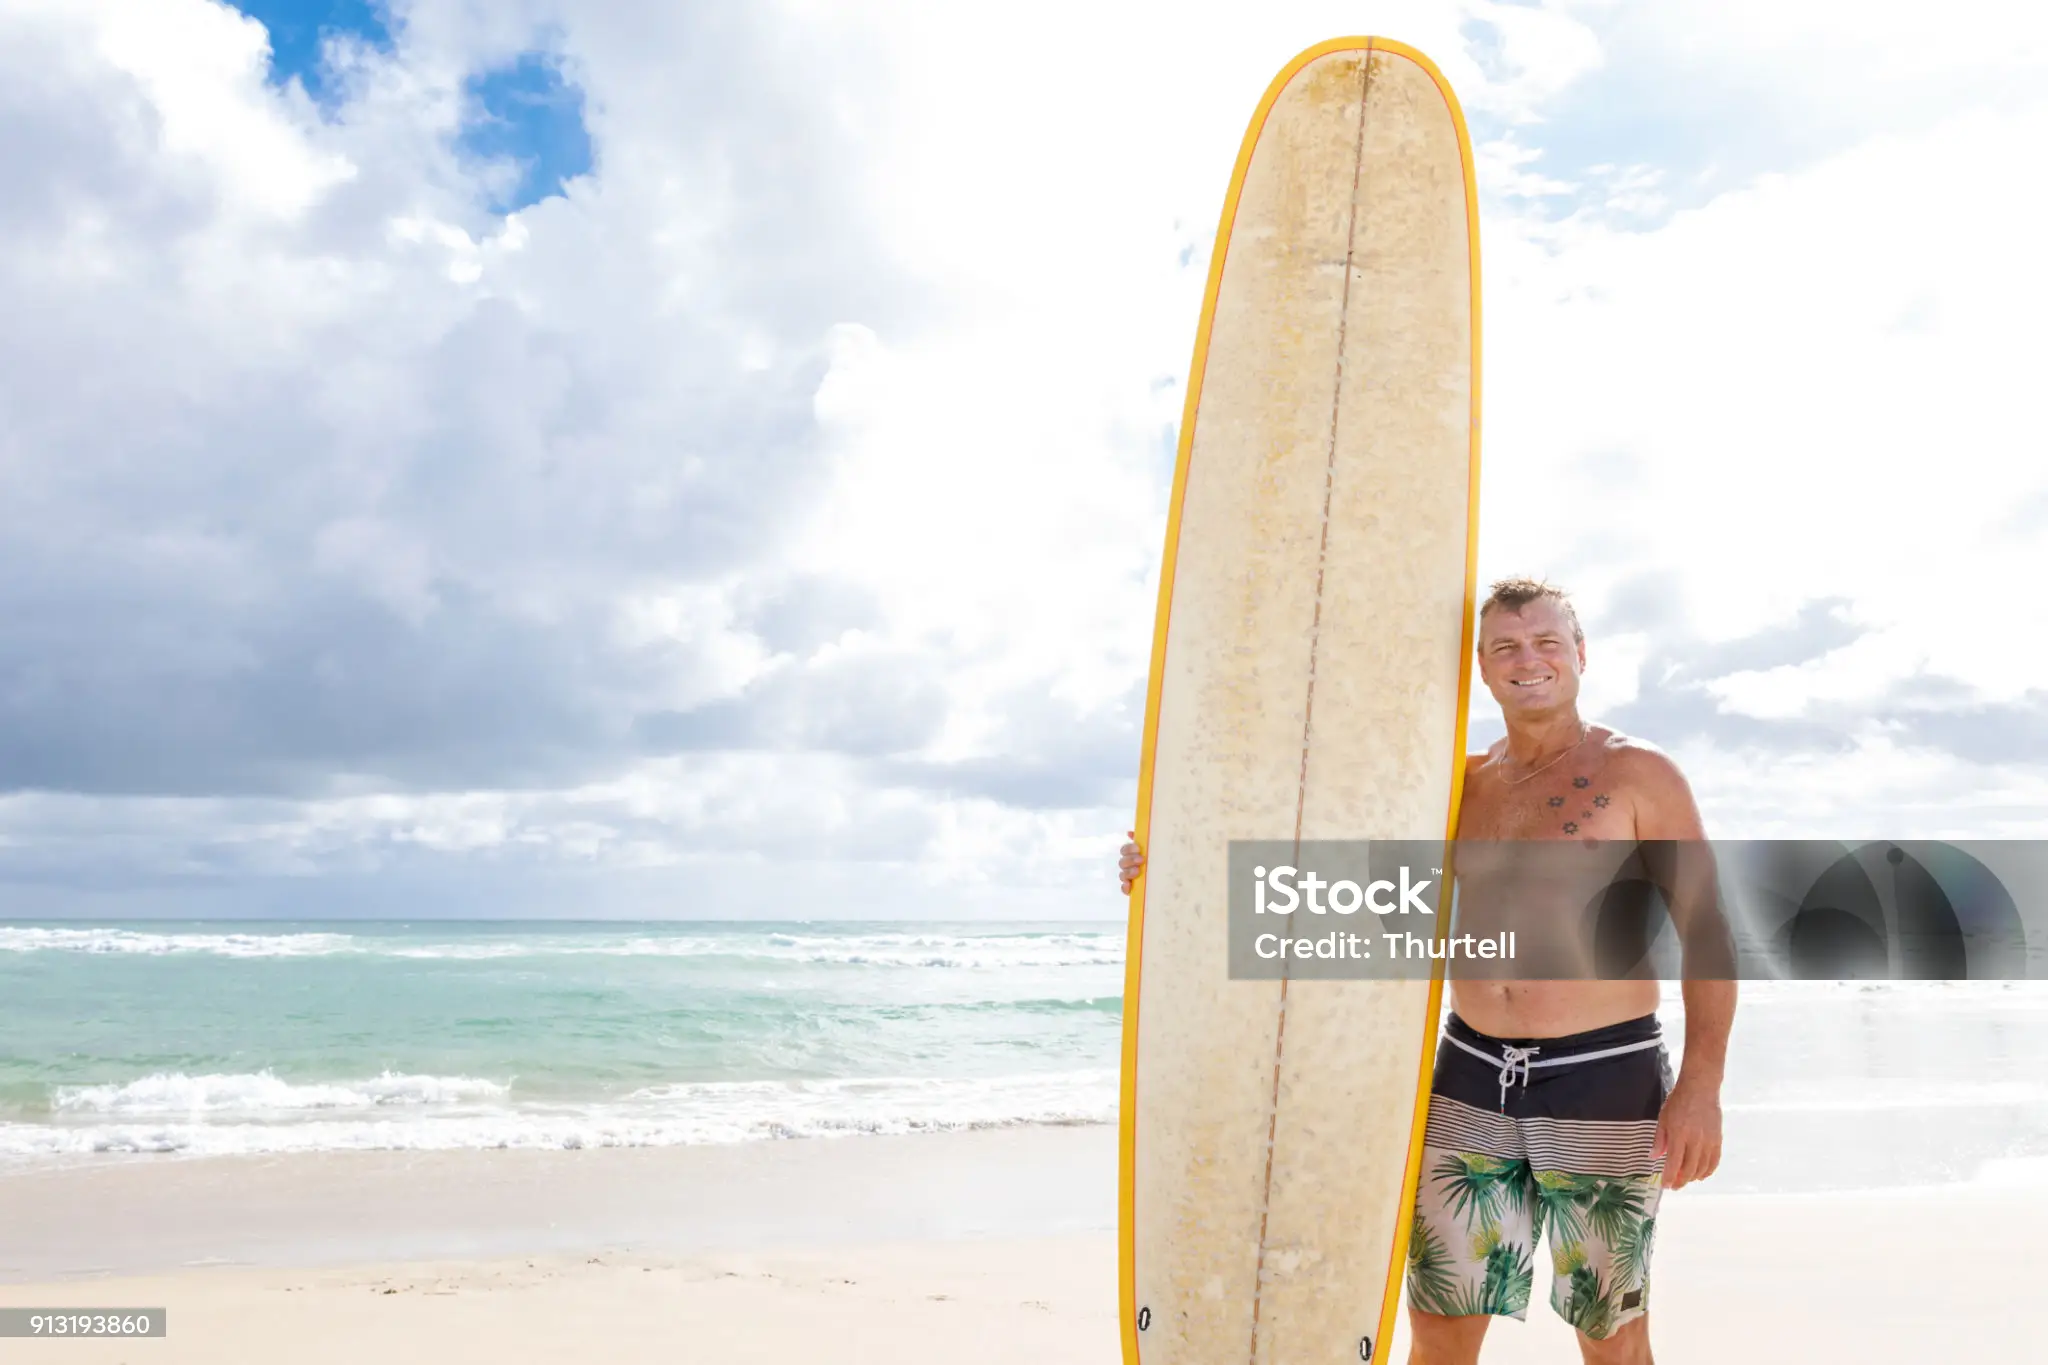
(223, 1038)
(217, 1037)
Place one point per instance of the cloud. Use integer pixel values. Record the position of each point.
(1995, 733)
(305, 495)
(1045, 754)
(851, 702)
(352, 524)
(782, 498)
(1721, 423)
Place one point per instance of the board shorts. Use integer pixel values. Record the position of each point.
(1528, 1136)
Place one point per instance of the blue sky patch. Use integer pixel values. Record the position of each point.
(299, 28)
(527, 114)
(523, 115)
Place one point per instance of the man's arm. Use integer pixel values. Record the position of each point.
(1689, 1128)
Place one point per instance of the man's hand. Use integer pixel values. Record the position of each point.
(1689, 1133)
(1129, 865)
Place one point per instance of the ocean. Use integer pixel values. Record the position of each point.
(215, 1038)
(221, 1038)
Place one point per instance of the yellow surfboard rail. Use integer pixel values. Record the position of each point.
(1135, 936)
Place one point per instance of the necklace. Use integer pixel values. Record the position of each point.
(1584, 730)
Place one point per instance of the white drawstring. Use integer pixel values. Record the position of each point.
(1510, 1058)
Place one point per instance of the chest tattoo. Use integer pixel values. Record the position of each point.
(1599, 801)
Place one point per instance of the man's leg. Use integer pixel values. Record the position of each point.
(1445, 1341)
(1628, 1345)
(1470, 1256)
(1601, 1229)
(1597, 1188)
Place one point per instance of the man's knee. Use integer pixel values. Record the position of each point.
(1441, 1340)
(1627, 1345)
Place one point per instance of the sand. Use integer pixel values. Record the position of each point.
(137, 1214)
(993, 1247)
(1020, 1301)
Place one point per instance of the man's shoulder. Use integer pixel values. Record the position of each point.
(1658, 792)
(1475, 761)
(1633, 756)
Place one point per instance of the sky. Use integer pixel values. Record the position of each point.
(523, 457)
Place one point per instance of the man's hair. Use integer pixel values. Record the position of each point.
(1512, 594)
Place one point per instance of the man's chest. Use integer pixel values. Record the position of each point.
(1568, 805)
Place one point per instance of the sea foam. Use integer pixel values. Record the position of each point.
(887, 950)
(264, 1092)
(242, 1115)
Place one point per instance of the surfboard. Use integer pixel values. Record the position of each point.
(1308, 678)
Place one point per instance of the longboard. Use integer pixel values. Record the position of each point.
(1309, 670)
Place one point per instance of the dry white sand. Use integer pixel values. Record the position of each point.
(902, 1250)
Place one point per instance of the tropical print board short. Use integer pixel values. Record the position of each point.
(1535, 1136)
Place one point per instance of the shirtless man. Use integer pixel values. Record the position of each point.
(1553, 1108)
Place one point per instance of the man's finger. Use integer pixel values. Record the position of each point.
(1674, 1162)
(1691, 1169)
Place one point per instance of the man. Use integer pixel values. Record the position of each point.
(1552, 1108)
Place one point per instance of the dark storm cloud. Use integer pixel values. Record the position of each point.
(288, 508)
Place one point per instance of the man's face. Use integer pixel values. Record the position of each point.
(1529, 660)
